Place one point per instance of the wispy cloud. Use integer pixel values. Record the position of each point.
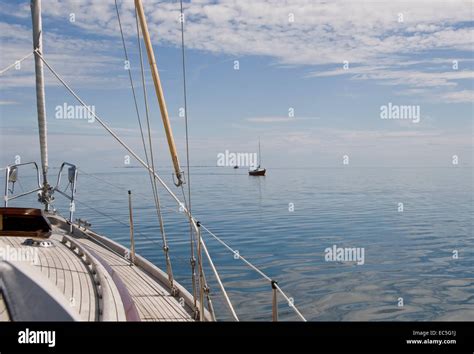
(82, 61)
(460, 96)
(5, 103)
(277, 119)
(310, 33)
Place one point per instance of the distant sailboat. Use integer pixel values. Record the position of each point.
(258, 171)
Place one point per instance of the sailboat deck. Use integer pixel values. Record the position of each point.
(152, 299)
(66, 271)
(69, 270)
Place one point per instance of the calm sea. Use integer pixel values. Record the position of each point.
(418, 263)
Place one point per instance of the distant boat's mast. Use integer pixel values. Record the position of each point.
(40, 103)
(159, 91)
(259, 154)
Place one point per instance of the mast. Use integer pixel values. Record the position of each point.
(259, 154)
(40, 101)
(159, 91)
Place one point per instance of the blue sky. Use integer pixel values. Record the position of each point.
(290, 54)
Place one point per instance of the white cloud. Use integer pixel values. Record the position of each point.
(82, 62)
(460, 96)
(4, 103)
(278, 119)
(366, 33)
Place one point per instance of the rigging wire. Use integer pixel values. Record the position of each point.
(183, 56)
(188, 179)
(16, 63)
(130, 77)
(255, 268)
(152, 175)
(103, 244)
(98, 211)
(152, 179)
(107, 128)
(121, 187)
